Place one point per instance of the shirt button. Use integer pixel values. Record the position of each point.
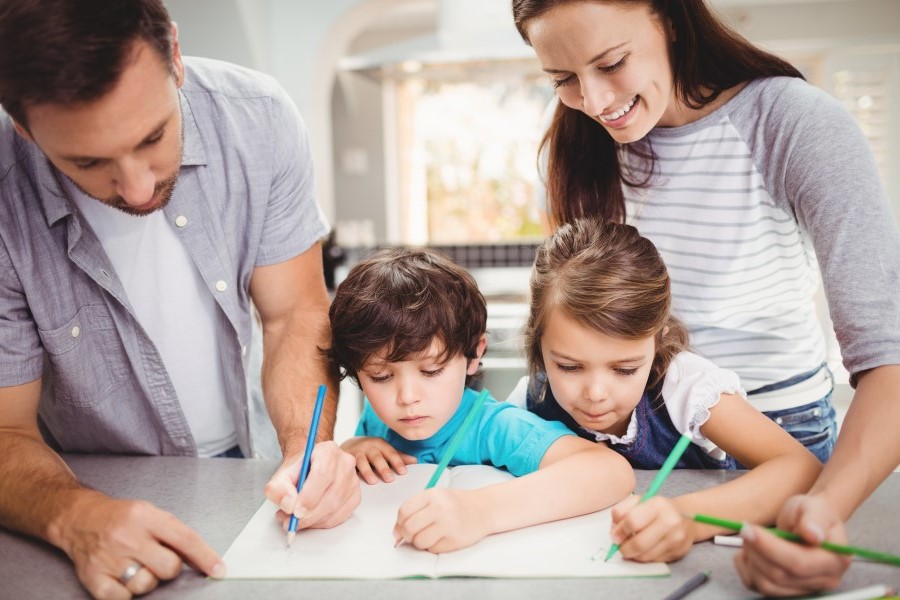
(76, 331)
(180, 220)
(221, 286)
(244, 350)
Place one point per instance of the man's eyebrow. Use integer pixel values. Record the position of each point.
(153, 133)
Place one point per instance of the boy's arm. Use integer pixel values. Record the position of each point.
(575, 477)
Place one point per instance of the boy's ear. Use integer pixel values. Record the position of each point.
(479, 352)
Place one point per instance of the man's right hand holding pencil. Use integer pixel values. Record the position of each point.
(330, 493)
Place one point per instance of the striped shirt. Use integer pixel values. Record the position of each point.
(741, 204)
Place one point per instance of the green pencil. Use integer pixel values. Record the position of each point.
(787, 535)
(457, 439)
(683, 442)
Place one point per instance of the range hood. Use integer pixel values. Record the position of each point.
(467, 31)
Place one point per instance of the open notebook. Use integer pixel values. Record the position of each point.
(363, 546)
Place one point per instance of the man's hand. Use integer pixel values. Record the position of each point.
(103, 536)
(777, 567)
(330, 493)
(376, 458)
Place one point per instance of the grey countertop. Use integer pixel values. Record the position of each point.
(218, 496)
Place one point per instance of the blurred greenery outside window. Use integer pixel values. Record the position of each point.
(468, 138)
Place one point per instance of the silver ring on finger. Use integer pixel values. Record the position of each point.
(129, 572)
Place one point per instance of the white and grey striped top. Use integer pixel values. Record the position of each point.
(742, 203)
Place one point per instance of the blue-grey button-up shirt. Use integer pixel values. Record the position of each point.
(246, 189)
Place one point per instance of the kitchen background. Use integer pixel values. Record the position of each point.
(424, 118)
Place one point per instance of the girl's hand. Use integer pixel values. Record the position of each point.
(374, 455)
(654, 530)
(441, 520)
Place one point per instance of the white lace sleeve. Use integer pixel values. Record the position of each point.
(517, 396)
(692, 386)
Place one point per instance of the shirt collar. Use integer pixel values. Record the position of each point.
(55, 201)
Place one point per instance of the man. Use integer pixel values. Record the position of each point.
(145, 199)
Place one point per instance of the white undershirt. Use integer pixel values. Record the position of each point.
(176, 309)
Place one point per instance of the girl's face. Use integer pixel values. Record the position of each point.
(416, 397)
(612, 62)
(595, 378)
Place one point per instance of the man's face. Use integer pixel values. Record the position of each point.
(124, 149)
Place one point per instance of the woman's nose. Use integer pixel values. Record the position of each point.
(596, 97)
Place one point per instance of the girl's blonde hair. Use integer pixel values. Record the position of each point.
(607, 277)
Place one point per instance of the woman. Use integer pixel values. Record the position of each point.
(753, 185)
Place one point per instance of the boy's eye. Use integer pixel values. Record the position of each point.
(624, 371)
(432, 372)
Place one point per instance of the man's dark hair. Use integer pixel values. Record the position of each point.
(72, 51)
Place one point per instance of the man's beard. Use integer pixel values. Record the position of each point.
(164, 189)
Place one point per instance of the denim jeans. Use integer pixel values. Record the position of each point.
(813, 425)
(233, 452)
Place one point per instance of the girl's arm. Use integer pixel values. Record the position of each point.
(661, 529)
(575, 477)
(779, 467)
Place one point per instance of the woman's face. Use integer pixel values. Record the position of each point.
(611, 61)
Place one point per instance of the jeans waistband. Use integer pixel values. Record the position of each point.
(805, 388)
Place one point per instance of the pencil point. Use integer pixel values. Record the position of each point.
(290, 538)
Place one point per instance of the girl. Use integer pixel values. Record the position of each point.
(608, 359)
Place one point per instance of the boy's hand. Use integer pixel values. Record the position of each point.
(441, 520)
(374, 455)
(654, 530)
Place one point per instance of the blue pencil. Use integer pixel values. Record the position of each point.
(304, 468)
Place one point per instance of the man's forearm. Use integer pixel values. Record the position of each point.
(293, 368)
(36, 486)
(867, 449)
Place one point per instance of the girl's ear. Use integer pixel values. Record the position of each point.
(665, 330)
(472, 368)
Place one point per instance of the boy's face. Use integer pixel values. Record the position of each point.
(416, 397)
(595, 378)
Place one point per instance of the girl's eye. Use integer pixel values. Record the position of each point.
(567, 368)
(433, 372)
(631, 371)
(558, 83)
(615, 67)
(379, 378)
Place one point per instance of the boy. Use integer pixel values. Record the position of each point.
(408, 326)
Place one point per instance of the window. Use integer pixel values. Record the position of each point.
(467, 137)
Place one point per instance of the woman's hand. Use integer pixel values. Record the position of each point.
(654, 530)
(376, 458)
(442, 520)
(777, 567)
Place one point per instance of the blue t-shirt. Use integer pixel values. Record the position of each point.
(504, 436)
